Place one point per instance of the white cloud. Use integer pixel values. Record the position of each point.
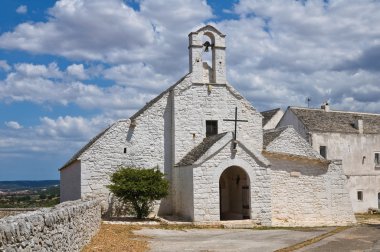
(281, 52)
(4, 65)
(278, 52)
(13, 125)
(42, 84)
(67, 127)
(137, 75)
(32, 70)
(87, 29)
(77, 70)
(22, 9)
(59, 136)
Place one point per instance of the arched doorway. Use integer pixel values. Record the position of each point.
(234, 194)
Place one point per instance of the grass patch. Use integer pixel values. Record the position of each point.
(113, 237)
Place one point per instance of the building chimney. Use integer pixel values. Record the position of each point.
(359, 124)
(325, 106)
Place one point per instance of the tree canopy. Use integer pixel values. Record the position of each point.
(139, 187)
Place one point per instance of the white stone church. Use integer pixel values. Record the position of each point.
(209, 141)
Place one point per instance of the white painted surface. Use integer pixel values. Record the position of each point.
(306, 192)
(272, 123)
(357, 154)
(70, 180)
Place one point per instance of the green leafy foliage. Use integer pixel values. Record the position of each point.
(139, 187)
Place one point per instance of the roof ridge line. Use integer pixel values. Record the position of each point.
(337, 111)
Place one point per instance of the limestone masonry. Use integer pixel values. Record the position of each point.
(66, 227)
(216, 172)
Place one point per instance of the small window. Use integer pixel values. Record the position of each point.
(323, 151)
(377, 159)
(360, 195)
(211, 128)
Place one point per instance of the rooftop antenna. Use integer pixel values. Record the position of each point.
(308, 100)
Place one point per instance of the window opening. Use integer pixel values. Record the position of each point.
(211, 128)
(360, 195)
(323, 151)
(377, 159)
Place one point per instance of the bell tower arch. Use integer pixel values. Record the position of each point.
(207, 40)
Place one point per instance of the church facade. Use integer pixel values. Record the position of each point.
(210, 143)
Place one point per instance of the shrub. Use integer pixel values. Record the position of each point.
(139, 187)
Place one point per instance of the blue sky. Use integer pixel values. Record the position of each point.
(70, 68)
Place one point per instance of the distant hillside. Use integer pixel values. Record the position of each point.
(25, 184)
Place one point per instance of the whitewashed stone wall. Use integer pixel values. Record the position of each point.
(184, 193)
(102, 159)
(357, 152)
(306, 194)
(306, 191)
(194, 105)
(206, 185)
(370, 186)
(66, 227)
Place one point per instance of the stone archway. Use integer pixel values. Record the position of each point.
(234, 194)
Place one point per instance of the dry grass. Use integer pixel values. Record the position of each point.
(117, 238)
(368, 218)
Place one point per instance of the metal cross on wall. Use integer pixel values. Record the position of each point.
(236, 121)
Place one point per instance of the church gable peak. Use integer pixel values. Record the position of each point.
(209, 28)
(207, 56)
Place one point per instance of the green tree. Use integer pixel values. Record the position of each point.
(139, 187)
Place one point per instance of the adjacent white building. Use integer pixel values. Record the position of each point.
(350, 136)
(217, 171)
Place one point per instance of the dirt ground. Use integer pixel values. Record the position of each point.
(112, 238)
(115, 237)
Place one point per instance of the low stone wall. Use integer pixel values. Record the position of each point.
(4, 212)
(66, 227)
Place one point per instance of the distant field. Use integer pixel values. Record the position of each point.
(24, 184)
(29, 194)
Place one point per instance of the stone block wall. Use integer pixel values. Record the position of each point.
(66, 227)
(307, 194)
(206, 178)
(196, 103)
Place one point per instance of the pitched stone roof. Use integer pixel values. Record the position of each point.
(270, 135)
(267, 115)
(84, 148)
(318, 120)
(199, 150)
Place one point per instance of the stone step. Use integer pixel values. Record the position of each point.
(240, 224)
